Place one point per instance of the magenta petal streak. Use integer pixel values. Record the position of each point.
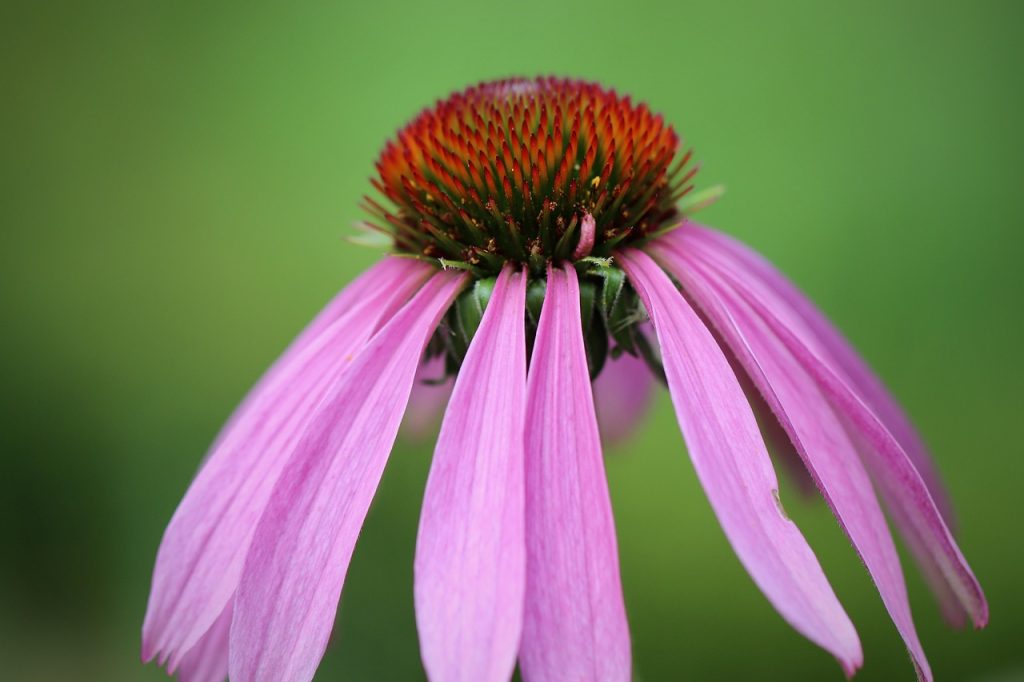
(622, 395)
(815, 430)
(575, 619)
(293, 574)
(734, 468)
(201, 555)
(470, 553)
(898, 481)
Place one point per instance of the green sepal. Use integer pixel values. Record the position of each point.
(619, 305)
(595, 336)
(595, 341)
(588, 296)
(611, 292)
(596, 261)
(535, 292)
(465, 316)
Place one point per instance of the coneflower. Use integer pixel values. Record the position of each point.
(540, 245)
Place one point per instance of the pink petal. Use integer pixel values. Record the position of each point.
(622, 395)
(899, 482)
(848, 363)
(588, 232)
(814, 429)
(735, 470)
(291, 583)
(207, 661)
(201, 555)
(427, 400)
(575, 621)
(470, 553)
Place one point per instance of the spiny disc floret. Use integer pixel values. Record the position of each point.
(528, 171)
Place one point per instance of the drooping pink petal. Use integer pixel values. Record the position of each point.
(622, 396)
(470, 553)
(430, 393)
(734, 468)
(588, 232)
(574, 625)
(898, 481)
(207, 661)
(200, 558)
(293, 574)
(818, 334)
(814, 429)
(849, 364)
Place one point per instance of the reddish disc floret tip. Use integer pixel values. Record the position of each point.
(508, 170)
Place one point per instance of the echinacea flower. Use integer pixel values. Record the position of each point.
(541, 248)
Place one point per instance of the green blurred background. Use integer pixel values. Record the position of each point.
(176, 180)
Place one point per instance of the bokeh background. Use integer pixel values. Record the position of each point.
(176, 182)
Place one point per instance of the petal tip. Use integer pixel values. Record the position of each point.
(853, 662)
(981, 620)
